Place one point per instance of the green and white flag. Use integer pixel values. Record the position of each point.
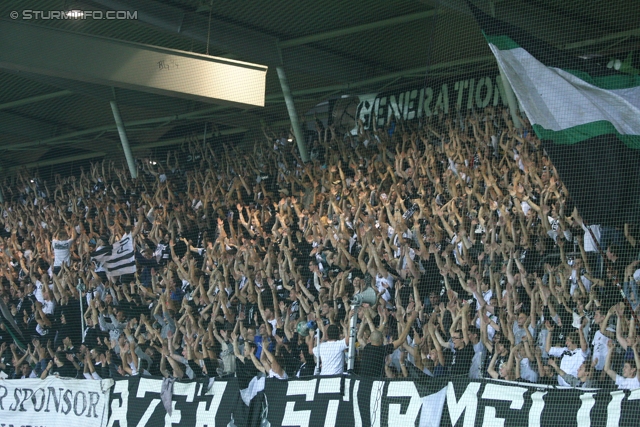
(587, 115)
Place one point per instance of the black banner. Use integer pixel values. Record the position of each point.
(137, 401)
(376, 110)
(501, 403)
(354, 401)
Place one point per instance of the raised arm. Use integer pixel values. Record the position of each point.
(405, 332)
(607, 363)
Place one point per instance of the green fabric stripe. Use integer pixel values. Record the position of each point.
(577, 134)
(501, 42)
(16, 341)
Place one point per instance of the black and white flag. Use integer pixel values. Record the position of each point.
(119, 258)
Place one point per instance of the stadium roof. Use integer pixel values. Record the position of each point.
(327, 48)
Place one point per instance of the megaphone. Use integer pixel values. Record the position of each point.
(303, 327)
(368, 296)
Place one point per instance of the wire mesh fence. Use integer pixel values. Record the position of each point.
(446, 234)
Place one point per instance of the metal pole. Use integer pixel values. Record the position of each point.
(317, 358)
(351, 361)
(81, 288)
(293, 116)
(508, 90)
(81, 317)
(511, 99)
(204, 137)
(123, 139)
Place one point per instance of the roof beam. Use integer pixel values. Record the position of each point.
(16, 124)
(117, 63)
(248, 44)
(173, 141)
(201, 114)
(55, 161)
(62, 139)
(604, 39)
(138, 148)
(402, 19)
(149, 101)
(33, 99)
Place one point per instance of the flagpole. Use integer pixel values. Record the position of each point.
(80, 289)
(511, 98)
(508, 90)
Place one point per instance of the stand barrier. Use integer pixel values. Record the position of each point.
(316, 401)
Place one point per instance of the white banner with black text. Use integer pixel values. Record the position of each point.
(53, 402)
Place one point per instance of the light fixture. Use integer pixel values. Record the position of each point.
(75, 14)
(617, 64)
(153, 163)
(290, 140)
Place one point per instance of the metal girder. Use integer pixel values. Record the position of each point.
(172, 141)
(61, 139)
(254, 45)
(402, 19)
(200, 114)
(140, 67)
(105, 93)
(15, 124)
(56, 161)
(604, 39)
(33, 99)
(100, 145)
(249, 44)
(136, 148)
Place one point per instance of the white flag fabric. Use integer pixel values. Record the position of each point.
(119, 258)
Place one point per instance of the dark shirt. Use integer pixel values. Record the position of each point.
(147, 265)
(306, 369)
(461, 361)
(245, 371)
(65, 371)
(373, 358)
(197, 370)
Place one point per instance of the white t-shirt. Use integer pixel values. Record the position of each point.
(331, 354)
(38, 292)
(519, 332)
(600, 349)
(570, 363)
(527, 372)
(574, 282)
(61, 252)
(477, 363)
(48, 307)
(627, 383)
(274, 325)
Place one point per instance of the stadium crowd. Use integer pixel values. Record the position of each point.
(481, 264)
